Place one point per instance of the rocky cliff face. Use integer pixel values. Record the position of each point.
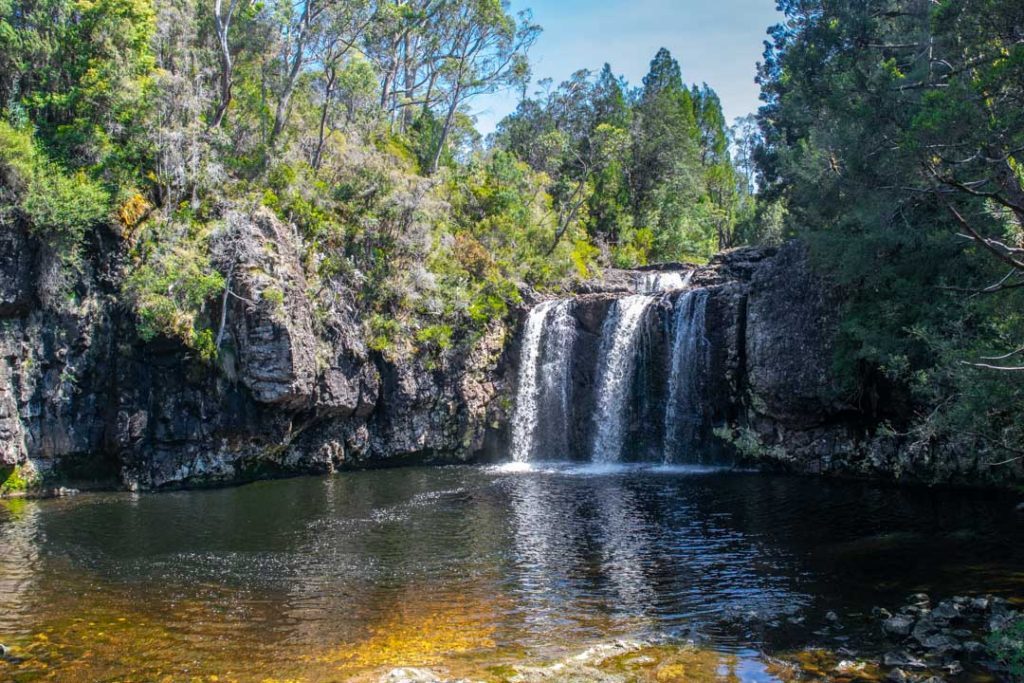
(298, 391)
(82, 396)
(776, 326)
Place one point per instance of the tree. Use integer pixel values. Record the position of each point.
(485, 49)
(892, 133)
(745, 138)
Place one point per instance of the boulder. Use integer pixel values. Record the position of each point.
(899, 625)
(269, 309)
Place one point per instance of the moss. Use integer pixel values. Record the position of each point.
(749, 444)
(17, 479)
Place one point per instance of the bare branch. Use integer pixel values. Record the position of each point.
(1000, 368)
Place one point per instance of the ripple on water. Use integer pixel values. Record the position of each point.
(510, 565)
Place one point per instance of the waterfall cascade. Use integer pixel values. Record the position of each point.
(664, 281)
(638, 385)
(544, 381)
(617, 362)
(688, 362)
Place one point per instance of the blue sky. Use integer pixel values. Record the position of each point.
(716, 41)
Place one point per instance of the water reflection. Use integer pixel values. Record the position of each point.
(323, 577)
(19, 560)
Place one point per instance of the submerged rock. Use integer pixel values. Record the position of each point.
(903, 660)
(898, 626)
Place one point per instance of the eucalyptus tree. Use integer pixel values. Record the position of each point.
(484, 48)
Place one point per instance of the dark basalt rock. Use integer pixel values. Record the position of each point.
(297, 390)
(17, 270)
(82, 396)
(898, 625)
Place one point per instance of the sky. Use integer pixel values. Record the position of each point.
(717, 42)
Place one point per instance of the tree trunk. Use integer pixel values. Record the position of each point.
(446, 130)
(222, 26)
(322, 135)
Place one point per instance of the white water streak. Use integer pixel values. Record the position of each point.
(617, 363)
(665, 281)
(543, 373)
(524, 421)
(689, 347)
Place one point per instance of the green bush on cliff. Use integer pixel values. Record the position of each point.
(58, 207)
(171, 284)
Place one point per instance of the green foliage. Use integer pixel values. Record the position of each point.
(58, 207)
(649, 175)
(17, 479)
(81, 70)
(1007, 645)
(870, 148)
(273, 296)
(171, 284)
(384, 334)
(437, 336)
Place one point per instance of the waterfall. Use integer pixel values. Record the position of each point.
(578, 393)
(616, 366)
(553, 404)
(664, 281)
(543, 393)
(689, 348)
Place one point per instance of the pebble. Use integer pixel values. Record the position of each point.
(832, 617)
(1020, 508)
(3, 650)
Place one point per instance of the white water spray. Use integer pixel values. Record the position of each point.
(543, 376)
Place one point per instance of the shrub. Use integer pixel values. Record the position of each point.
(59, 208)
(171, 284)
(1007, 645)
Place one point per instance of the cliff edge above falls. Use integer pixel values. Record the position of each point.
(82, 396)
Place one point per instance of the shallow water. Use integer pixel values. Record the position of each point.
(474, 570)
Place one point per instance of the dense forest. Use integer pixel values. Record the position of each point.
(350, 120)
(891, 140)
(893, 135)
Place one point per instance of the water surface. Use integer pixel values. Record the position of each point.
(475, 569)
